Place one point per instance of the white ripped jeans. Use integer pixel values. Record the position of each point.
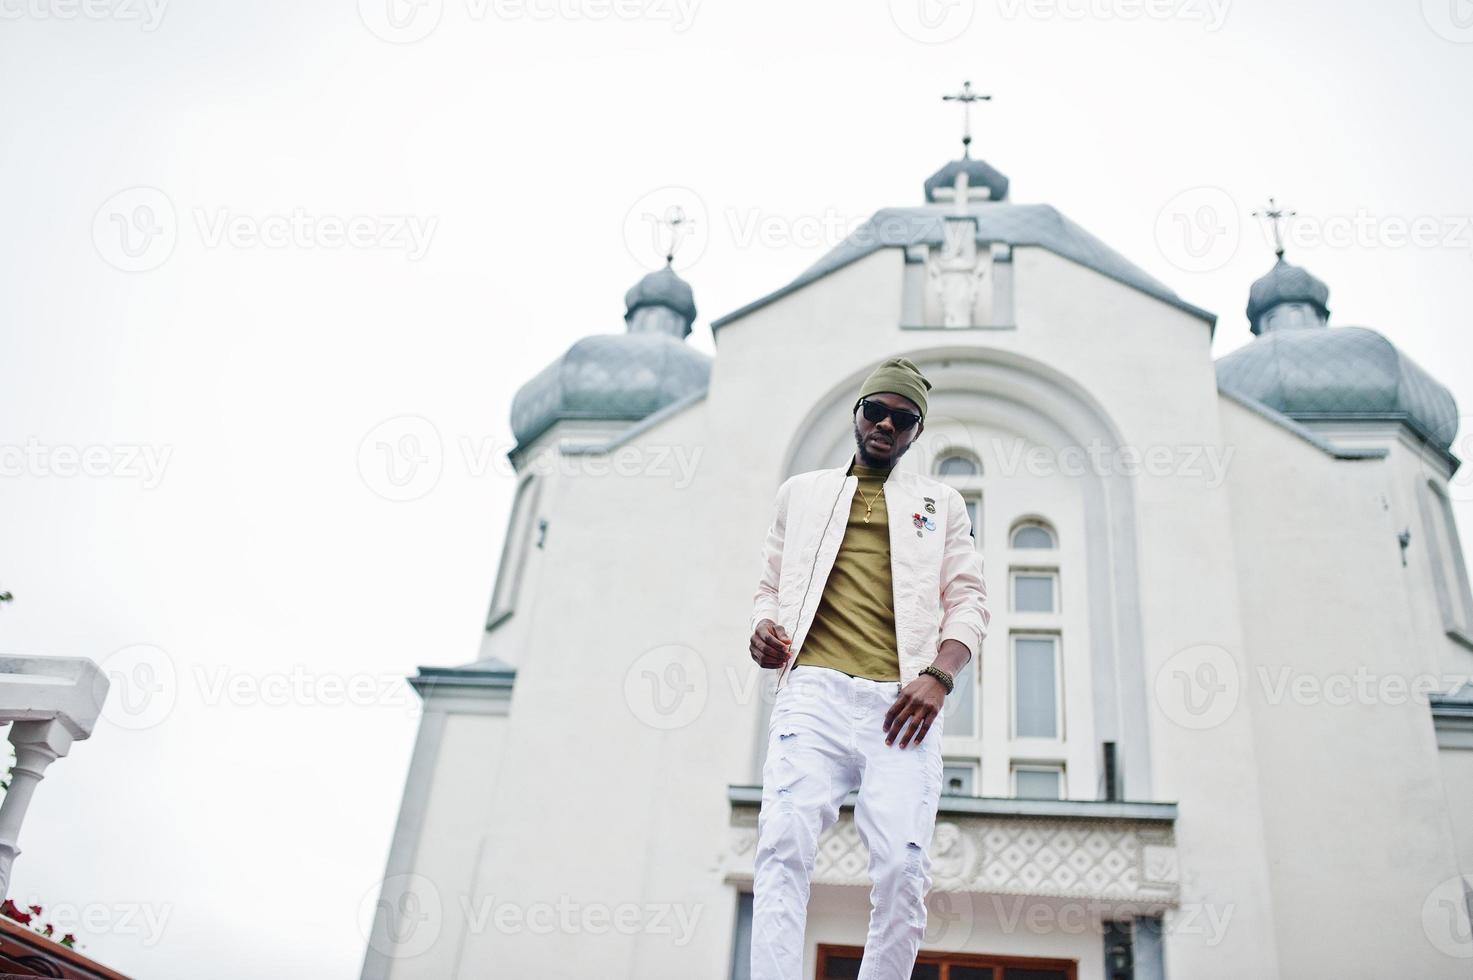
(827, 737)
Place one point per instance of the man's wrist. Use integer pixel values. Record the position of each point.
(943, 677)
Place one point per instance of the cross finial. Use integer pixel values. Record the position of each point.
(1280, 220)
(966, 97)
(677, 221)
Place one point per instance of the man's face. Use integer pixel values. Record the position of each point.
(880, 444)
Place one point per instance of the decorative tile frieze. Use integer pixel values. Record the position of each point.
(1084, 856)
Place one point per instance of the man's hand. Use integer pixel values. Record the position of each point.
(770, 644)
(922, 698)
(916, 707)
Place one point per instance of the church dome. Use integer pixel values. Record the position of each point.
(1340, 373)
(663, 288)
(1286, 283)
(621, 377)
(1307, 370)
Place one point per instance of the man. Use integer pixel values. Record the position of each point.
(867, 620)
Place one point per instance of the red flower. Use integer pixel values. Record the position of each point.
(48, 930)
(35, 910)
(68, 940)
(9, 910)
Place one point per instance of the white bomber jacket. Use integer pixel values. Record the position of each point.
(936, 569)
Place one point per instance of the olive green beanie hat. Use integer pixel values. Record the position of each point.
(900, 376)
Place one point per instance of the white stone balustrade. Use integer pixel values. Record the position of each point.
(49, 702)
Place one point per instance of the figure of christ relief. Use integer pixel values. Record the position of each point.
(959, 284)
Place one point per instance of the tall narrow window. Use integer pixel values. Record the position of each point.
(1449, 570)
(961, 704)
(1035, 687)
(1035, 592)
(974, 513)
(514, 551)
(959, 466)
(741, 945)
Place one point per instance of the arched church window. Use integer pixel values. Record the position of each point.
(956, 463)
(1033, 534)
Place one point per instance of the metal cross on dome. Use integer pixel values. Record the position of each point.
(678, 222)
(1279, 218)
(966, 97)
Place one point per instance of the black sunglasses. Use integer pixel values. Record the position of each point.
(875, 411)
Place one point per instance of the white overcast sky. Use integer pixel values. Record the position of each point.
(231, 539)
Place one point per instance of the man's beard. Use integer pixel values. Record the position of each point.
(866, 459)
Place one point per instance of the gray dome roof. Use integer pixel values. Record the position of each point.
(609, 376)
(662, 288)
(979, 174)
(1341, 373)
(1285, 283)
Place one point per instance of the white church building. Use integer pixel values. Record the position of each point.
(1218, 727)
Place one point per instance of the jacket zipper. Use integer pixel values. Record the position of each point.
(813, 568)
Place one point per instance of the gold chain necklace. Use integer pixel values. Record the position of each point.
(868, 504)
